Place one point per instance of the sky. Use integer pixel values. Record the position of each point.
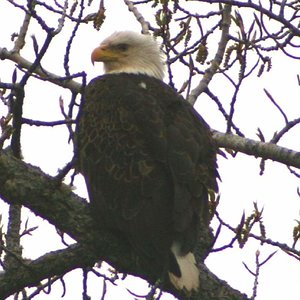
(275, 191)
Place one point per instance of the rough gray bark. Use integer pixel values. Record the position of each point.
(258, 149)
(21, 183)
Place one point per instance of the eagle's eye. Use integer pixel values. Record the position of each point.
(122, 47)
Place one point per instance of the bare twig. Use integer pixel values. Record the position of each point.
(104, 289)
(209, 73)
(46, 123)
(277, 106)
(262, 10)
(20, 41)
(282, 246)
(64, 82)
(289, 125)
(258, 265)
(71, 39)
(139, 17)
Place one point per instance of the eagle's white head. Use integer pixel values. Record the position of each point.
(130, 52)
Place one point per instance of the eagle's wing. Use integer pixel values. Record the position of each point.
(179, 138)
(129, 189)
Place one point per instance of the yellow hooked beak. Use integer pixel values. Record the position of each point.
(104, 53)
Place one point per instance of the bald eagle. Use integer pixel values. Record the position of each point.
(147, 158)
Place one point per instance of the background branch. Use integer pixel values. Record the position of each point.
(65, 82)
(215, 63)
(258, 149)
(56, 263)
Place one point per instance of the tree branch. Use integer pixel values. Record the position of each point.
(139, 17)
(21, 183)
(258, 149)
(64, 82)
(215, 63)
(56, 263)
(260, 9)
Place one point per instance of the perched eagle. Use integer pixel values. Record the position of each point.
(147, 158)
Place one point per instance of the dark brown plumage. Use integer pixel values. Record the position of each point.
(149, 161)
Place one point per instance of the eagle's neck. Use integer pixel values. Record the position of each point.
(150, 72)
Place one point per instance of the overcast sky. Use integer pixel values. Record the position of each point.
(241, 185)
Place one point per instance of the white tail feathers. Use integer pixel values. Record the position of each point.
(189, 279)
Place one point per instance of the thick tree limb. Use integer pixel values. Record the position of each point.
(24, 184)
(258, 149)
(27, 185)
(52, 264)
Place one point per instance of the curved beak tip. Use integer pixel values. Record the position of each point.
(93, 57)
